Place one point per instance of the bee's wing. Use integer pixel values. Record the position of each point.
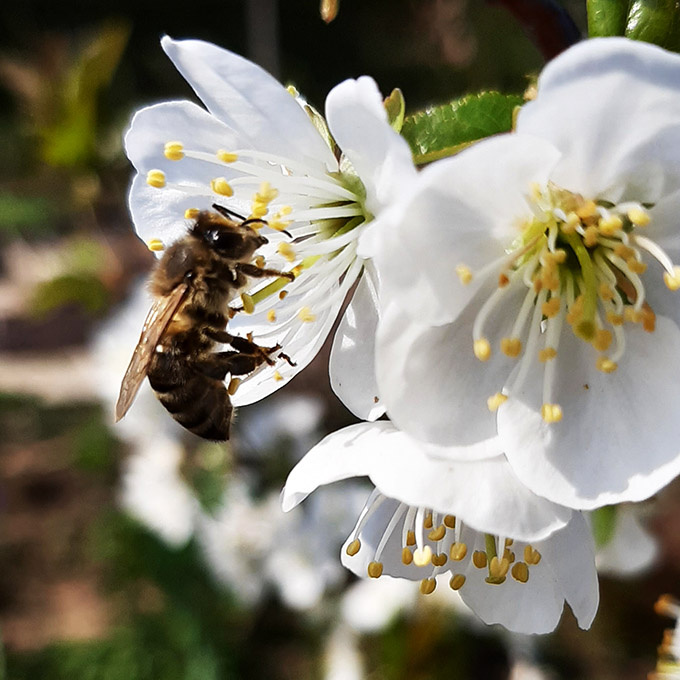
(156, 322)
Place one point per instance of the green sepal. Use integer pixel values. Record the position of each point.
(607, 17)
(396, 109)
(655, 21)
(603, 524)
(444, 130)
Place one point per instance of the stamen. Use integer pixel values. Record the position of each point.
(520, 572)
(479, 559)
(227, 156)
(191, 213)
(174, 151)
(457, 581)
(531, 555)
(551, 413)
(639, 217)
(220, 186)
(427, 586)
(233, 386)
(306, 315)
(672, 281)
(464, 274)
(353, 547)
(495, 401)
(155, 245)
(422, 557)
(482, 349)
(458, 551)
(155, 178)
(375, 569)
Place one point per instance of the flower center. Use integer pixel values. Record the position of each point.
(579, 261)
(317, 213)
(433, 543)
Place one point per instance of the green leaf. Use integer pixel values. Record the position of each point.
(441, 131)
(603, 523)
(655, 21)
(607, 17)
(396, 108)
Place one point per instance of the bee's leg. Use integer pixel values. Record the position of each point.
(260, 272)
(217, 365)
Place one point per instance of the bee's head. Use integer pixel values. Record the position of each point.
(233, 240)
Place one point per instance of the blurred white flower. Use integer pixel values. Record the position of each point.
(343, 659)
(153, 491)
(259, 152)
(631, 549)
(528, 283)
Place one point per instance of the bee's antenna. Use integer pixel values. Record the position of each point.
(227, 212)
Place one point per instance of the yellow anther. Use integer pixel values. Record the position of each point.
(551, 308)
(503, 280)
(610, 225)
(271, 316)
(591, 236)
(520, 572)
(575, 312)
(287, 251)
(155, 178)
(464, 274)
(259, 261)
(438, 533)
(427, 522)
(551, 413)
(631, 315)
(306, 315)
(624, 251)
(278, 225)
(155, 245)
(233, 385)
(603, 340)
(509, 555)
(639, 217)
(375, 569)
(406, 556)
(648, 319)
(450, 521)
(636, 266)
(615, 319)
(247, 302)
(606, 292)
(277, 376)
(227, 156)
(498, 568)
(606, 365)
(191, 213)
(258, 211)
(284, 210)
(266, 193)
(422, 558)
(457, 581)
(174, 151)
(495, 401)
(292, 90)
(439, 560)
(531, 555)
(509, 542)
(458, 551)
(672, 280)
(283, 294)
(482, 349)
(587, 209)
(511, 347)
(550, 280)
(353, 548)
(479, 559)
(558, 256)
(546, 354)
(411, 538)
(427, 586)
(220, 186)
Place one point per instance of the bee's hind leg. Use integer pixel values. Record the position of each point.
(217, 365)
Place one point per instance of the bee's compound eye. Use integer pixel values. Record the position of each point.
(224, 240)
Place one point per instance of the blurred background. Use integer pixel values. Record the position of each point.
(137, 552)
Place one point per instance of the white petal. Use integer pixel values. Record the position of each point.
(484, 494)
(619, 439)
(352, 361)
(460, 211)
(430, 381)
(631, 549)
(566, 571)
(248, 99)
(381, 157)
(301, 342)
(610, 106)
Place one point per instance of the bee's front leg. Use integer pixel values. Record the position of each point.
(260, 272)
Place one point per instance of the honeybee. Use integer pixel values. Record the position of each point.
(192, 285)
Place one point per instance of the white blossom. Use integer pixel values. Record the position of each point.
(528, 284)
(260, 153)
